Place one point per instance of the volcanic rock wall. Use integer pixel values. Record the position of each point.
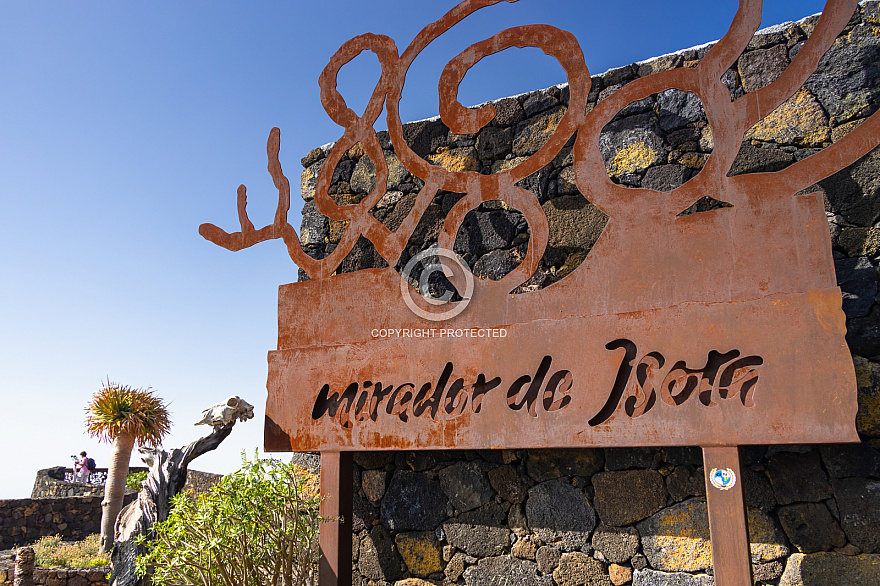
(69, 509)
(616, 516)
(24, 521)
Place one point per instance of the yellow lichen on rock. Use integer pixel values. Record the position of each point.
(537, 132)
(572, 261)
(842, 130)
(799, 120)
(308, 181)
(549, 123)
(337, 229)
(499, 166)
(567, 180)
(765, 543)
(859, 241)
(460, 159)
(677, 538)
(633, 158)
(830, 568)
(311, 482)
(347, 199)
(693, 160)
(707, 139)
(420, 551)
(868, 381)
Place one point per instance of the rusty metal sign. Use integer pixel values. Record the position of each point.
(716, 328)
(720, 327)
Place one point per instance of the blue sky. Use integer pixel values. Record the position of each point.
(125, 125)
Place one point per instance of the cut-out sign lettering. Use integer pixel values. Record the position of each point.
(364, 401)
(694, 292)
(725, 375)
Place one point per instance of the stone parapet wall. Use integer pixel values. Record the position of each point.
(51, 483)
(618, 516)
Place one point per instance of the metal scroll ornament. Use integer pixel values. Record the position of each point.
(717, 327)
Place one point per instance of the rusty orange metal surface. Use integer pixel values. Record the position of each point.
(715, 328)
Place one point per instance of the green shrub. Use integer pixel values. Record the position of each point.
(133, 480)
(257, 526)
(51, 552)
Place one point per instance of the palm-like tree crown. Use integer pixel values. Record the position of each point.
(118, 409)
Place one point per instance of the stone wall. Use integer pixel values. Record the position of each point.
(198, 482)
(58, 576)
(69, 509)
(616, 516)
(24, 521)
(607, 516)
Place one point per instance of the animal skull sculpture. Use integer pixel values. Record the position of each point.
(227, 412)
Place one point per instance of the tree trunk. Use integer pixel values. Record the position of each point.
(114, 490)
(166, 478)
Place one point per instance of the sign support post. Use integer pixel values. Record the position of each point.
(727, 516)
(334, 541)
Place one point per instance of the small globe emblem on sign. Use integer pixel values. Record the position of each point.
(723, 479)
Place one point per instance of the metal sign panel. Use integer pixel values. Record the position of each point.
(720, 327)
(690, 374)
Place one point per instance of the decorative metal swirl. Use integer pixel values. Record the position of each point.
(630, 209)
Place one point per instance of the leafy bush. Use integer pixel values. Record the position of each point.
(257, 526)
(52, 552)
(133, 480)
